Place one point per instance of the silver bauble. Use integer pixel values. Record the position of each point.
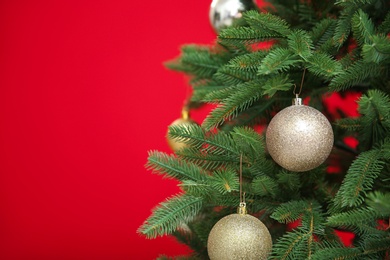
(239, 236)
(299, 138)
(224, 12)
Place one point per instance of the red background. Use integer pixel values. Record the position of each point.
(83, 97)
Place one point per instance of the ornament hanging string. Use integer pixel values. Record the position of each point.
(242, 207)
(185, 113)
(300, 88)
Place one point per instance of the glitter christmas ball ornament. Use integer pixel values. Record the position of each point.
(299, 138)
(223, 12)
(239, 236)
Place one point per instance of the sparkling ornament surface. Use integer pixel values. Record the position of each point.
(299, 138)
(174, 144)
(239, 236)
(223, 12)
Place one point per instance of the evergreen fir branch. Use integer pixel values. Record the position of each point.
(375, 108)
(224, 181)
(263, 166)
(356, 73)
(249, 61)
(232, 76)
(246, 94)
(200, 92)
(380, 202)
(352, 125)
(355, 219)
(384, 27)
(323, 65)
(293, 245)
(375, 104)
(169, 215)
(249, 142)
(378, 50)
(342, 253)
(198, 61)
(385, 147)
(265, 186)
(343, 27)
(187, 234)
(240, 69)
(209, 162)
(362, 27)
(373, 249)
(313, 219)
(191, 134)
(280, 82)
(278, 59)
(267, 22)
(289, 180)
(219, 95)
(306, 13)
(359, 179)
(301, 44)
(377, 247)
(218, 143)
(290, 211)
(173, 167)
(323, 31)
(236, 36)
(196, 189)
(354, 2)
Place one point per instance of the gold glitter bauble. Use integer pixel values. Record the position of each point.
(239, 236)
(299, 138)
(174, 144)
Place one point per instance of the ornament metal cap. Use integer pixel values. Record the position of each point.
(297, 101)
(242, 208)
(185, 113)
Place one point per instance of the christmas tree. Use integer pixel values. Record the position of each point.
(311, 49)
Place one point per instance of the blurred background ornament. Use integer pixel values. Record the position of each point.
(184, 120)
(224, 12)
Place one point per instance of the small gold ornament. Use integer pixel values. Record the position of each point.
(223, 12)
(239, 236)
(299, 138)
(185, 119)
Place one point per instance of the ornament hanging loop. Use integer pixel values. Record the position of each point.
(242, 206)
(298, 101)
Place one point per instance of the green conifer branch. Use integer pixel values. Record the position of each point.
(378, 50)
(172, 167)
(357, 73)
(323, 65)
(301, 44)
(359, 179)
(265, 186)
(225, 181)
(247, 93)
(362, 27)
(384, 27)
(290, 211)
(169, 215)
(267, 22)
(322, 32)
(278, 59)
(238, 36)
